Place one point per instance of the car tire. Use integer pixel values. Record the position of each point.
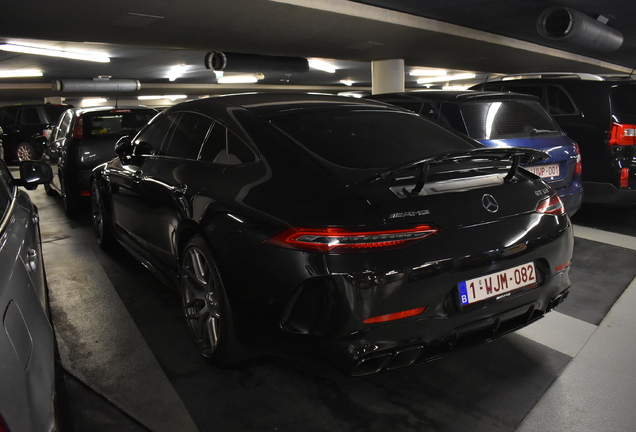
(72, 205)
(206, 308)
(102, 227)
(25, 151)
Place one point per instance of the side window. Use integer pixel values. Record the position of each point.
(225, 148)
(412, 106)
(65, 123)
(30, 116)
(449, 115)
(430, 110)
(559, 102)
(535, 90)
(10, 116)
(151, 139)
(188, 136)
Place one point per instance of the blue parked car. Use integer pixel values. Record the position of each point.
(504, 119)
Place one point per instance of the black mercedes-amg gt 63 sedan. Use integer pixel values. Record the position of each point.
(338, 229)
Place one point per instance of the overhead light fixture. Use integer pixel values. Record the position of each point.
(238, 79)
(20, 73)
(93, 101)
(446, 78)
(53, 52)
(347, 82)
(428, 72)
(170, 97)
(322, 65)
(176, 72)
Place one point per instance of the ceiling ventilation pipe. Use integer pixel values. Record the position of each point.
(568, 25)
(238, 62)
(96, 85)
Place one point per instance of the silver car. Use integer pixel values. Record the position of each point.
(27, 376)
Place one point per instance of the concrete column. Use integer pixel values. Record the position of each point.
(387, 76)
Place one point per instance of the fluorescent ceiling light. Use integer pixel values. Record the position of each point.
(53, 52)
(446, 78)
(92, 101)
(427, 72)
(237, 79)
(322, 65)
(347, 82)
(171, 97)
(20, 73)
(176, 72)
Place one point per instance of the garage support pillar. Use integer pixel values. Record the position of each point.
(387, 76)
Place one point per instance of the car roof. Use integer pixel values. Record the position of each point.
(268, 103)
(455, 95)
(90, 110)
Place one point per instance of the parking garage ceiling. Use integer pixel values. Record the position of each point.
(146, 39)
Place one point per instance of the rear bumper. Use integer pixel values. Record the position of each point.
(606, 193)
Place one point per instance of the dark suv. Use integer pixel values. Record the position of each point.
(83, 138)
(599, 113)
(26, 127)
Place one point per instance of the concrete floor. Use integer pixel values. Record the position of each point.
(127, 363)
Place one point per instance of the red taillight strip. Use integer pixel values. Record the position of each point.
(622, 134)
(78, 130)
(563, 266)
(394, 316)
(551, 205)
(338, 240)
(579, 162)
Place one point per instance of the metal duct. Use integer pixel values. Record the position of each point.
(566, 24)
(238, 62)
(110, 85)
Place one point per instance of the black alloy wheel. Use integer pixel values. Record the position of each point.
(205, 305)
(99, 219)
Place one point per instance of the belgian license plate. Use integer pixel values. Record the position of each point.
(499, 284)
(545, 171)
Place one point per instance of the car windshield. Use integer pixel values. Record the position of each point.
(115, 123)
(5, 190)
(507, 119)
(369, 139)
(624, 101)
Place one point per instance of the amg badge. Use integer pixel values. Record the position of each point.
(409, 214)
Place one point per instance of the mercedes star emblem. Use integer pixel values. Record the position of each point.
(490, 203)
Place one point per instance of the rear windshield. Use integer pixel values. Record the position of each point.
(369, 139)
(488, 120)
(119, 122)
(624, 100)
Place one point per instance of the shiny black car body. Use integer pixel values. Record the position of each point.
(83, 138)
(334, 228)
(599, 113)
(27, 340)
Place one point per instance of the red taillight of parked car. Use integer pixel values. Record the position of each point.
(78, 130)
(551, 205)
(395, 316)
(622, 134)
(342, 240)
(624, 179)
(578, 170)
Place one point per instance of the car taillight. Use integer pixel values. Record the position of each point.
(579, 162)
(46, 133)
(622, 134)
(78, 130)
(394, 316)
(551, 205)
(342, 240)
(624, 179)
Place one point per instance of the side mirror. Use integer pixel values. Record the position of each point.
(124, 148)
(33, 173)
